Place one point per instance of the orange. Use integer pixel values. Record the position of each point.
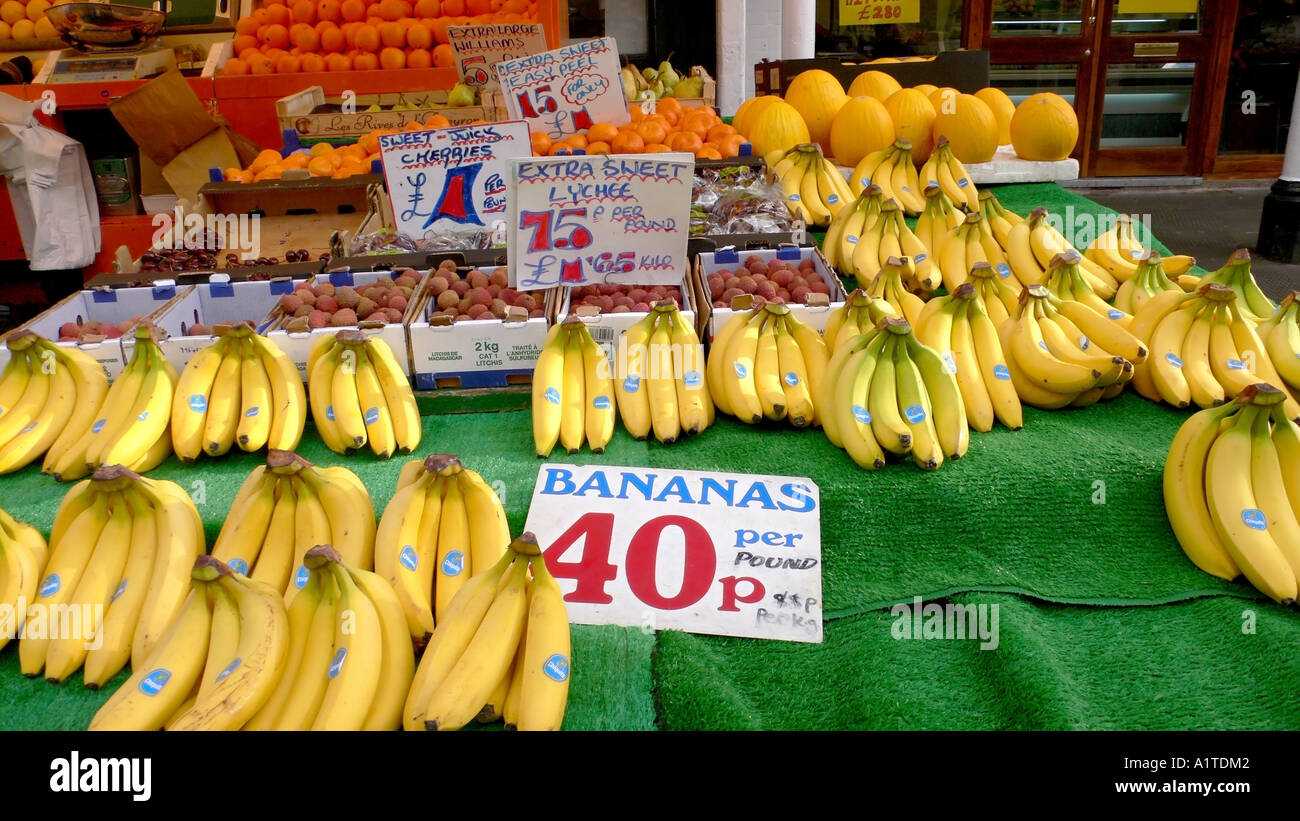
(352, 10)
(541, 142)
(602, 132)
(708, 152)
(259, 16)
(307, 39)
(416, 125)
(232, 174)
(234, 66)
(576, 140)
(338, 62)
(332, 40)
(275, 35)
(367, 38)
(271, 172)
(365, 61)
(288, 64)
(278, 15)
(320, 167)
(443, 56)
(392, 58)
(438, 26)
(453, 8)
(684, 141)
(634, 111)
(296, 160)
(304, 11)
(598, 147)
(419, 36)
(651, 130)
(419, 58)
(730, 145)
(330, 10)
(628, 142)
(243, 43)
(560, 149)
(248, 55)
(515, 6)
(261, 64)
(393, 35)
(313, 63)
(478, 7)
(437, 121)
(697, 122)
(390, 9)
(427, 8)
(246, 25)
(669, 106)
(268, 156)
(656, 148)
(720, 130)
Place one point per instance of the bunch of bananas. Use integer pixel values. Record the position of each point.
(965, 246)
(1253, 304)
(1031, 245)
(49, 395)
(1280, 334)
(880, 237)
(766, 364)
(1232, 491)
(121, 550)
(22, 557)
(285, 508)
(503, 651)
(811, 186)
(998, 294)
(132, 426)
(860, 313)
(1118, 251)
(360, 395)
(1149, 279)
(937, 219)
(999, 218)
(349, 661)
(884, 391)
(1067, 282)
(841, 240)
(444, 525)
(891, 169)
(240, 390)
(1054, 362)
(573, 391)
(1204, 350)
(942, 168)
(216, 665)
(890, 285)
(664, 356)
(958, 327)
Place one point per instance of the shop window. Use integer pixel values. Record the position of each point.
(938, 28)
(1261, 78)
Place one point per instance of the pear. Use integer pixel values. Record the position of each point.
(689, 87)
(460, 95)
(373, 108)
(658, 88)
(630, 87)
(649, 74)
(668, 75)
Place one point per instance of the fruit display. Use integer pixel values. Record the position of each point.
(620, 299)
(664, 391)
(240, 390)
(1232, 493)
(818, 97)
(360, 396)
(766, 364)
(1252, 303)
(656, 83)
(1149, 279)
(671, 126)
(197, 256)
(284, 509)
(859, 314)
(1118, 251)
(120, 551)
(771, 280)
(444, 525)
(217, 664)
(883, 391)
(321, 304)
(943, 168)
(312, 36)
(49, 395)
(502, 652)
(1034, 242)
(573, 391)
(869, 233)
(22, 557)
(811, 186)
(862, 126)
(737, 200)
(132, 427)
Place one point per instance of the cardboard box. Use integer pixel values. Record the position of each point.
(108, 305)
(315, 118)
(607, 328)
(965, 70)
(815, 315)
(298, 344)
(213, 302)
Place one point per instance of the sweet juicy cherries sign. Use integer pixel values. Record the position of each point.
(565, 91)
(618, 218)
(717, 553)
(478, 49)
(451, 175)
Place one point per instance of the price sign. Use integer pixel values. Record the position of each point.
(564, 91)
(478, 49)
(1157, 7)
(618, 218)
(725, 554)
(451, 175)
(879, 12)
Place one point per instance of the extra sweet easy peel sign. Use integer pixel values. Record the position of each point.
(564, 91)
(617, 218)
(447, 176)
(725, 554)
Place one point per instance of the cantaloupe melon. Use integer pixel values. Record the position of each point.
(1044, 128)
(818, 97)
(913, 117)
(862, 126)
(970, 127)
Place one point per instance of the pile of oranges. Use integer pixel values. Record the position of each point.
(25, 20)
(671, 127)
(289, 36)
(323, 159)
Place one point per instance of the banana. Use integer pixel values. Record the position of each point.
(398, 662)
(405, 554)
(1036, 361)
(887, 423)
(222, 642)
(573, 400)
(301, 614)
(40, 433)
(544, 687)
(1020, 256)
(767, 377)
(221, 423)
(288, 409)
(793, 375)
(738, 370)
(1248, 344)
(632, 388)
(992, 363)
(180, 540)
(349, 509)
(548, 383)
(1166, 366)
(904, 180)
(193, 394)
(942, 399)
(16, 376)
(311, 678)
(273, 558)
(793, 186)
(815, 358)
(355, 667)
(693, 401)
(1206, 392)
(113, 414)
(914, 406)
(855, 366)
(865, 170)
(661, 387)
(1269, 485)
(311, 527)
(24, 415)
(598, 386)
(22, 556)
(92, 388)
(488, 530)
(399, 396)
(974, 393)
(345, 400)
(452, 565)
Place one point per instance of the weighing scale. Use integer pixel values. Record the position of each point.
(71, 66)
(108, 42)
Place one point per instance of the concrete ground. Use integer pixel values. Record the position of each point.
(1208, 219)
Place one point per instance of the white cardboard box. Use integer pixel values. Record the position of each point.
(815, 316)
(607, 328)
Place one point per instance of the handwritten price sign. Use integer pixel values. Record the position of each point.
(564, 91)
(723, 554)
(619, 218)
(879, 12)
(457, 175)
(478, 49)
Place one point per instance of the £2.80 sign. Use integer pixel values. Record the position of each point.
(718, 553)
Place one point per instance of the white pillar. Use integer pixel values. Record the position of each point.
(732, 67)
(1291, 162)
(798, 29)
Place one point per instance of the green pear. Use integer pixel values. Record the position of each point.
(667, 74)
(649, 74)
(689, 87)
(658, 88)
(460, 95)
(373, 107)
(629, 82)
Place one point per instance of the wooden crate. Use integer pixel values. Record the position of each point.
(317, 118)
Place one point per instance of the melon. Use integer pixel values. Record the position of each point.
(1044, 128)
(913, 117)
(876, 84)
(945, 97)
(818, 97)
(970, 127)
(926, 89)
(749, 110)
(778, 127)
(1003, 108)
(862, 126)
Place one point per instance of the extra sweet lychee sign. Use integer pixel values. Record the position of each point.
(725, 554)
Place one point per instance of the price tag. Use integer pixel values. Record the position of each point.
(879, 12)
(451, 175)
(1157, 7)
(619, 218)
(725, 554)
(478, 49)
(565, 91)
